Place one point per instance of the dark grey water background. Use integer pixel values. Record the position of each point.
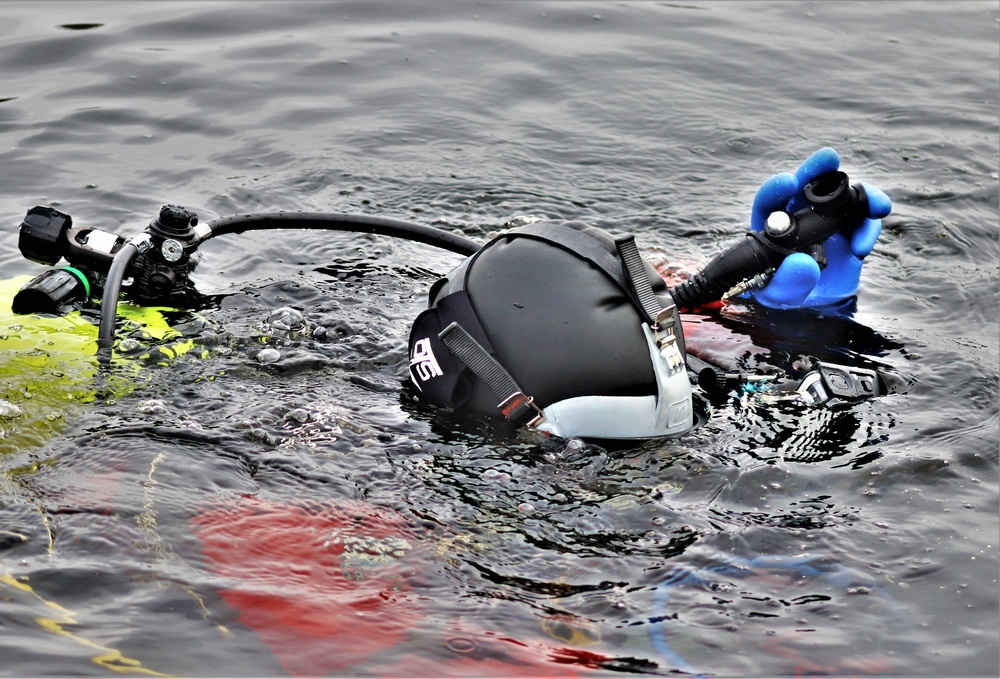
(659, 118)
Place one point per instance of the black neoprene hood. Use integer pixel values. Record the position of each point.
(551, 303)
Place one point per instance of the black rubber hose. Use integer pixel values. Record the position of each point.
(741, 260)
(109, 302)
(382, 226)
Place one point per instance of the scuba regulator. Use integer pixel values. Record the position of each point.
(161, 260)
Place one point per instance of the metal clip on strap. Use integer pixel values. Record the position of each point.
(514, 405)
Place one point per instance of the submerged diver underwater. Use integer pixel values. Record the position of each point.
(557, 327)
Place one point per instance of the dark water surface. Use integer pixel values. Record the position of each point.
(283, 505)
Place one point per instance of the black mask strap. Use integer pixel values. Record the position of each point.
(659, 317)
(512, 403)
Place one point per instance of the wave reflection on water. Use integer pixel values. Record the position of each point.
(275, 501)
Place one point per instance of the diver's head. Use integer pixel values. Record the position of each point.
(560, 327)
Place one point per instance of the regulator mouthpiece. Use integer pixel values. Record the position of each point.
(829, 195)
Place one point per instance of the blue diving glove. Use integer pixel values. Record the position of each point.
(799, 281)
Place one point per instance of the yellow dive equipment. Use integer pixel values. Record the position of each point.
(48, 364)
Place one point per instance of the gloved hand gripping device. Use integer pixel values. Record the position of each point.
(832, 206)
